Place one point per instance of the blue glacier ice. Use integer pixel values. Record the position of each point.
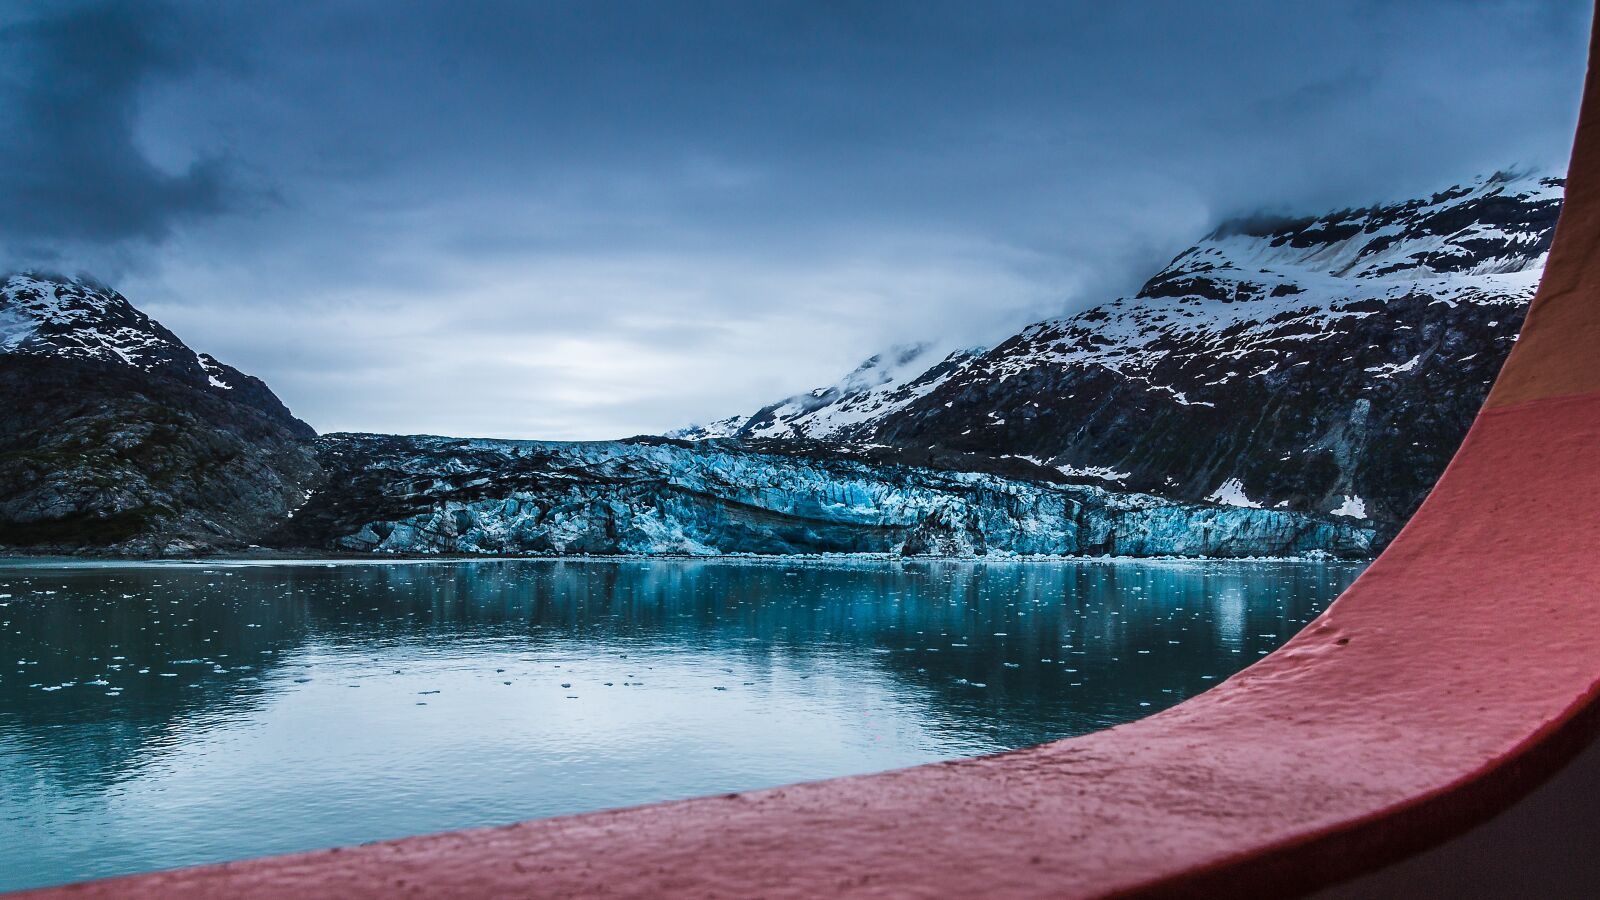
(653, 496)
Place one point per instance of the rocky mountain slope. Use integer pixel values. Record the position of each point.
(114, 435)
(1328, 365)
(433, 495)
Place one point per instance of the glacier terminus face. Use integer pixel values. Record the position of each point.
(442, 495)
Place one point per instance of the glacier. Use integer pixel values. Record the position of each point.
(428, 495)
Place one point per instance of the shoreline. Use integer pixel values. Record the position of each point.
(262, 556)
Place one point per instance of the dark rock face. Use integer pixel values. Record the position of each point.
(1327, 365)
(103, 456)
(444, 495)
(116, 436)
(1371, 410)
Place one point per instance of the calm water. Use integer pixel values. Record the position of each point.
(166, 714)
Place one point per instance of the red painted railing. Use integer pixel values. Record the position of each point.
(1455, 675)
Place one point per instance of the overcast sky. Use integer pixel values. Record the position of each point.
(592, 219)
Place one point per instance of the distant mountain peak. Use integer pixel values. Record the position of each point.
(46, 315)
(882, 384)
(1496, 223)
(80, 318)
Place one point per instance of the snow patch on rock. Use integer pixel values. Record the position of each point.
(1231, 493)
(1353, 507)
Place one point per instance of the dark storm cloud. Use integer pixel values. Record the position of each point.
(69, 93)
(596, 218)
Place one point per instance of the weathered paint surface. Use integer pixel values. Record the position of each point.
(1458, 672)
(1557, 354)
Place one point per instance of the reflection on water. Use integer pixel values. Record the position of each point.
(168, 714)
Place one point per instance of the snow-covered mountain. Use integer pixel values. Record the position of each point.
(78, 319)
(1329, 364)
(114, 435)
(883, 384)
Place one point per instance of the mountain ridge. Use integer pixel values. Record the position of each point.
(1328, 364)
(883, 381)
(1282, 386)
(42, 314)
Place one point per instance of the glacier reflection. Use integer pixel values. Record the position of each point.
(167, 714)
